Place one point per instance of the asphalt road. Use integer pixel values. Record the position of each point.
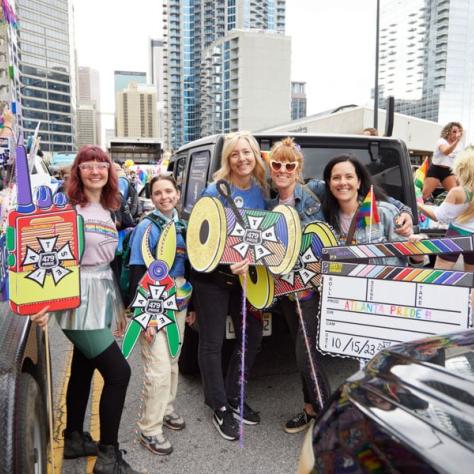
(274, 389)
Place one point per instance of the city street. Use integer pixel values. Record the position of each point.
(274, 390)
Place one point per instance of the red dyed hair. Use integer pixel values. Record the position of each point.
(110, 197)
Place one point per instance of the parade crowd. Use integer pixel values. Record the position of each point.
(103, 194)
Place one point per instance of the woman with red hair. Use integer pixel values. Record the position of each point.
(93, 189)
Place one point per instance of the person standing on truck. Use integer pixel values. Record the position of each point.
(93, 189)
(440, 170)
(286, 164)
(161, 370)
(219, 293)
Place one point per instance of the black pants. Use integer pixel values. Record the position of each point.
(213, 303)
(115, 370)
(309, 310)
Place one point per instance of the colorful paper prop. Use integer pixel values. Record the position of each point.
(365, 308)
(45, 244)
(219, 235)
(155, 301)
(262, 287)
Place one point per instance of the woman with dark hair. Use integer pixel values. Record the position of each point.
(347, 184)
(93, 190)
(440, 170)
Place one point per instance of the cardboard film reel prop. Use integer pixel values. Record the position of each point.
(155, 300)
(225, 235)
(366, 307)
(262, 287)
(45, 243)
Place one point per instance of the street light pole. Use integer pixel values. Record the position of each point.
(376, 88)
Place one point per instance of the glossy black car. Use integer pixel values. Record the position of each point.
(410, 411)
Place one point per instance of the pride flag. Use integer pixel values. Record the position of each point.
(420, 174)
(367, 214)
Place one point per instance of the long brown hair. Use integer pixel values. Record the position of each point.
(110, 196)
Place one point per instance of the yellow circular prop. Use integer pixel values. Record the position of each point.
(324, 232)
(294, 240)
(206, 235)
(166, 248)
(260, 286)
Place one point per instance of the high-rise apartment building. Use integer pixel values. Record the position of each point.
(123, 78)
(156, 77)
(88, 107)
(47, 72)
(426, 58)
(195, 32)
(298, 100)
(136, 112)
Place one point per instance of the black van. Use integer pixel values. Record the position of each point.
(387, 160)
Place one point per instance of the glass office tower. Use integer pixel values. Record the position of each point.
(47, 71)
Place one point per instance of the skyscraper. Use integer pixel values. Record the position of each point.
(47, 72)
(136, 112)
(88, 108)
(123, 78)
(426, 58)
(157, 78)
(195, 32)
(298, 100)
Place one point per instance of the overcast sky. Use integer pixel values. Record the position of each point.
(333, 45)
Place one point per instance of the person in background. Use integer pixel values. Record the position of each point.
(440, 170)
(219, 293)
(161, 370)
(370, 131)
(93, 189)
(64, 173)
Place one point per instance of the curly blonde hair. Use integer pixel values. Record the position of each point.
(448, 127)
(230, 142)
(463, 169)
(287, 150)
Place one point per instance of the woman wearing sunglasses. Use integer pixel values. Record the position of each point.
(219, 293)
(286, 171)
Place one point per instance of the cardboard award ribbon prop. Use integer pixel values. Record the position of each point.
(224, 235)
(155, 300)
(45, 243)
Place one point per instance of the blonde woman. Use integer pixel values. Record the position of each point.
(219, 293)
(457, 210)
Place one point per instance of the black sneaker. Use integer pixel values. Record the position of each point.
(226, 425)
(251, 417)
(110, 460)
(78, 444)
(299, 423)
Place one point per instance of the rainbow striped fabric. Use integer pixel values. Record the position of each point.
(367, 214)
(420, 175)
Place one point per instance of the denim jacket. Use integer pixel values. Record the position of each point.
(307, 201)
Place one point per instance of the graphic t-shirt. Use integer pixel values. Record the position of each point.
(101, 235)
(252, 198)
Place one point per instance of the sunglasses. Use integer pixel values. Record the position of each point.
(286, 166)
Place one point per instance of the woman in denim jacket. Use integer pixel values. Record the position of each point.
(286, 166)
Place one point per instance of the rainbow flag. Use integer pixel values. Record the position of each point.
(420, 174)
(367, 214)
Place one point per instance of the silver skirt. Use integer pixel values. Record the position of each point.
(100, 301)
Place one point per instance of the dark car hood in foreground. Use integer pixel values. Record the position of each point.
(411, 410)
